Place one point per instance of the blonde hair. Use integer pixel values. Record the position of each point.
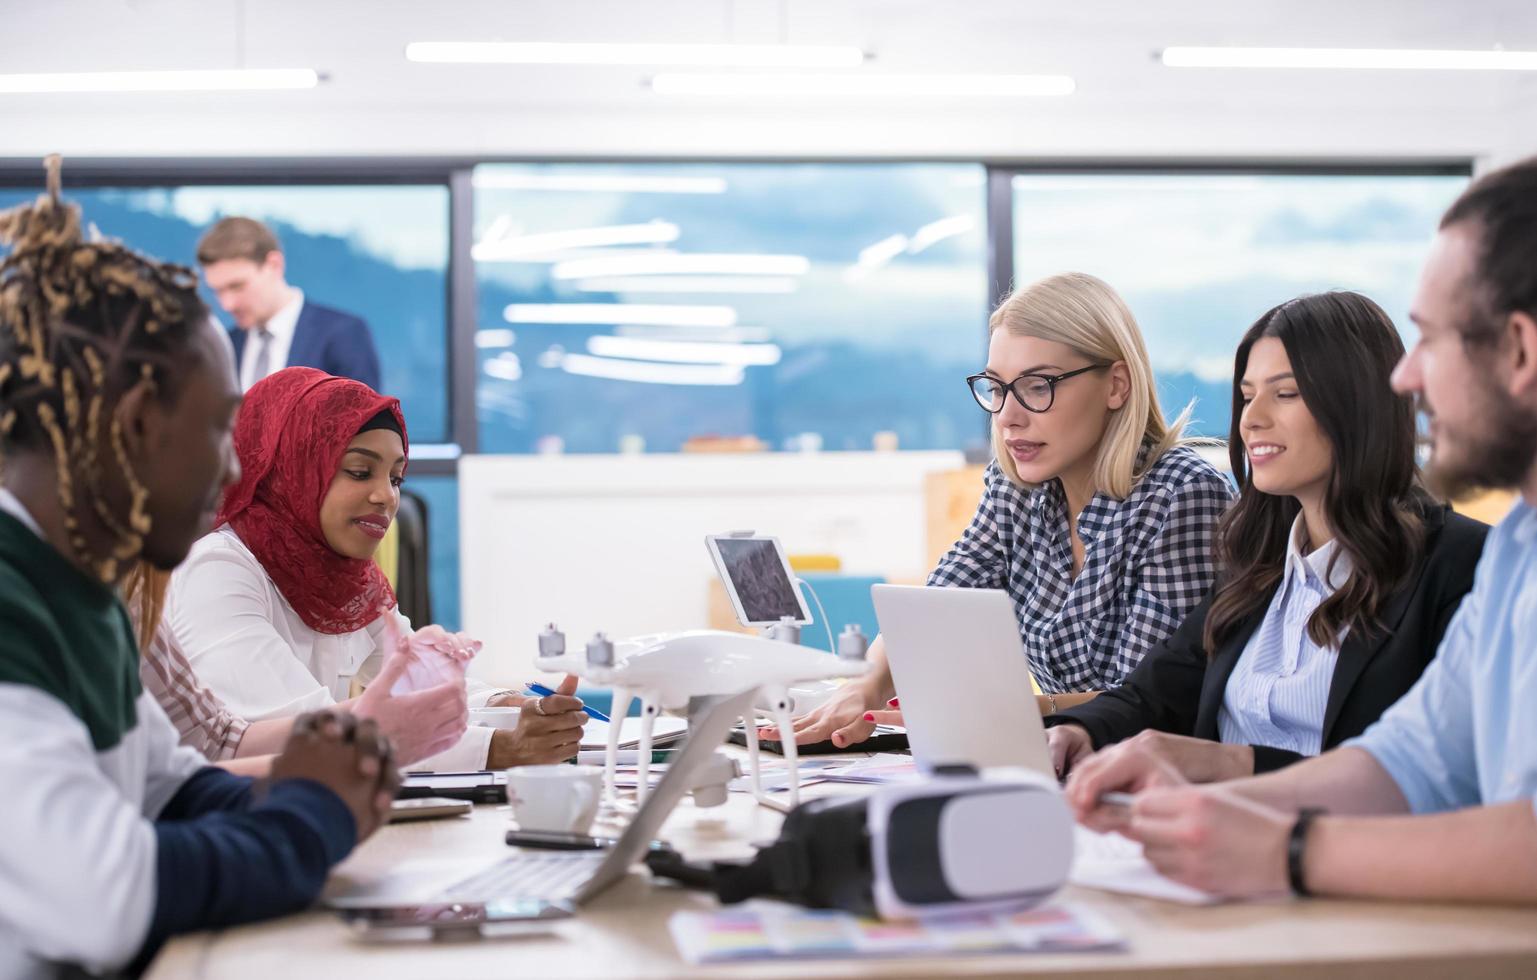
(144, 594)
(1084, 313)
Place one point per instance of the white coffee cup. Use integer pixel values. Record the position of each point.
(499, 717)
(561, 798)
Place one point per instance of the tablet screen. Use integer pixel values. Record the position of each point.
(757, 574)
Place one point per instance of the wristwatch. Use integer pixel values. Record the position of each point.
(1296, 845)
(1051, 699)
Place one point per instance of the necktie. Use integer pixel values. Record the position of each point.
(263, 366)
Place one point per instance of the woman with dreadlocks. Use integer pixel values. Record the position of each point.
(116, 400)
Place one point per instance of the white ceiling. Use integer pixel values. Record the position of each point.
(375, 102)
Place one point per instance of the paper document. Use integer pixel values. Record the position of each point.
(1114, 863)
(664, 731)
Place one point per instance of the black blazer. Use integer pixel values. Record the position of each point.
(1177, 689)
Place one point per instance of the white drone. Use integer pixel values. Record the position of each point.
(665, 670)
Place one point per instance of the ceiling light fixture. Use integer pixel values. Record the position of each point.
(684, 263)
(221, 80)
(1360, 58)
(498, 246)
(873, 85)
(584, 53)
(613, 313)
(646, 372)
(688, 284)
(685, 352)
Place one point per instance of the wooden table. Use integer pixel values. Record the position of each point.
(624, 932)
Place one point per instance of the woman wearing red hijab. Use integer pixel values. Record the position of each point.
(281, 607)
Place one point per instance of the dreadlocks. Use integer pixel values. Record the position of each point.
(84, 320)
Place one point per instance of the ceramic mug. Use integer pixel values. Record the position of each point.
(558, 798)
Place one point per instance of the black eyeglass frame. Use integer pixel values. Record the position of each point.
(1052, 380)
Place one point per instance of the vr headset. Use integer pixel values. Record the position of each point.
(958, 843)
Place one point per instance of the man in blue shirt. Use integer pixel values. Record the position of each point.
(1435, 801)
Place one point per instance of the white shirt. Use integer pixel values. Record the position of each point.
(250, 647)
(77, 827)
(1278, 692)
(281, 326)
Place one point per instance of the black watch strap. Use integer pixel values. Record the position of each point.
(1296, 846)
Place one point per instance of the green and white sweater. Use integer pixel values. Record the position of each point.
(111, 836)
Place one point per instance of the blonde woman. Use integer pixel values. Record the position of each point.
(1095, 518)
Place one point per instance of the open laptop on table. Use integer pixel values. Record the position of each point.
(966, 698)
(530, 885)
(962, 677)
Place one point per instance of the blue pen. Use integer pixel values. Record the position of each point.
(592, 713)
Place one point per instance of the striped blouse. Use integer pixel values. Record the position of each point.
(1279, 689)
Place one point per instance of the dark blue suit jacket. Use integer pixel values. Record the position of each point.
(335, 342)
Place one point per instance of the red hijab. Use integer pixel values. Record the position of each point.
(290, 436)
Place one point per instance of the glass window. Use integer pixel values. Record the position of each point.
(379, 251)
(642, 306)
(1198, 257)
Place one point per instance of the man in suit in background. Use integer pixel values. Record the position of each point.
(276, 326)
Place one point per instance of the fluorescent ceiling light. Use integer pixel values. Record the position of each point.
(690, 55)
(495, 180)
(698, 263)
(740, 335)
(230, 80)
(497, 246)
(645, 372)
(937, 231)
(682, 351)
(494, 337)
(1379, 58)
(878, 254)
(607, 313)
(883, 251)
(859, 85)
(504, 367)
(687, 284)
(435, 450)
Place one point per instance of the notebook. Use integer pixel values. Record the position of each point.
(665, 731)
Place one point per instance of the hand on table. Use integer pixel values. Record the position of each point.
(841, 718)
(419, 723)
(549, 730)
(351, 757)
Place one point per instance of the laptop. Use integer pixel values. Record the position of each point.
(962, 677)
(566, 879)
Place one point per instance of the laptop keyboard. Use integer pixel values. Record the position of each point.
(550, 876)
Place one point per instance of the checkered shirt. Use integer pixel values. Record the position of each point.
(1147, 562)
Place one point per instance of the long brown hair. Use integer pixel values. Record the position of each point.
(1343, 349)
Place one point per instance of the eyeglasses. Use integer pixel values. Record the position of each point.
(1036, 392)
